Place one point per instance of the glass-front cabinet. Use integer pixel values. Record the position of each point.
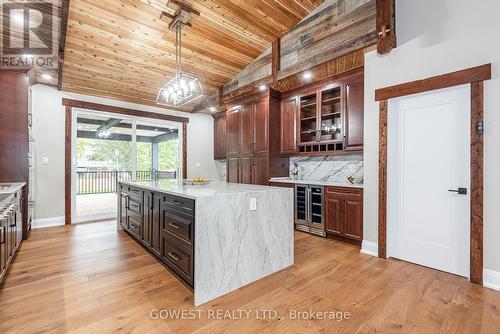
(321, 115)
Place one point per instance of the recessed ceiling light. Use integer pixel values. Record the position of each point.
(46, 76)
(307, 75)
(262, 87)
(212, 109)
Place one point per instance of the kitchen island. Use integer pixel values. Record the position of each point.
(217, 237)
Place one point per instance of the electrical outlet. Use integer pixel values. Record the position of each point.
(253, 204)
(45, 160)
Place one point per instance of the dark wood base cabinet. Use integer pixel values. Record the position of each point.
(344, 213)
(11, 232)
(163, 224)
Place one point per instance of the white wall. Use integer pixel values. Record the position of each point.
(49, 128)
(438, 37)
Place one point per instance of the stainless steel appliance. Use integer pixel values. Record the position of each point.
(309, 209)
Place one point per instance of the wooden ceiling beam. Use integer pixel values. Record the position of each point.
(386, 26)
(62, 41)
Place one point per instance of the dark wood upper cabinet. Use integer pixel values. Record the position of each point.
(325, 117)
(289, 109)
(354, 113)
(220, 136)
(233, 131)
(261, 127)
(247, 132)
(344, 212)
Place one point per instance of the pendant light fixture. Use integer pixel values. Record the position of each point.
(184, 87)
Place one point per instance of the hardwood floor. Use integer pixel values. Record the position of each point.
(93, 279)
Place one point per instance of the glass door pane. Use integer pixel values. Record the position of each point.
(157, 150)
(103, 155)
(308, 118)
(331, 115)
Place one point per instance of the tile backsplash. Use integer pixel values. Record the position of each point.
(220, 165)
(328, 168)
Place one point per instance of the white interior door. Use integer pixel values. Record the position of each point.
(429, 155)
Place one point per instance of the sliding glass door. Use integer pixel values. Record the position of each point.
(111, 147)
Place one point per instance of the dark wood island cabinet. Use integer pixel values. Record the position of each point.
(163, 224)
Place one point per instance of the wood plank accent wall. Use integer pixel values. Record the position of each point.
(329, 69)
(474, 76)
(337, 28)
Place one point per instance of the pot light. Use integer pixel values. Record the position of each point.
(262, 87)
(212, 109)
(46, 76)
(307, 75)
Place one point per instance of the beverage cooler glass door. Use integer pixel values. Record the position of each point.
(301, 205)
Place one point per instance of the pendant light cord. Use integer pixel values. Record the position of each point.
(178, 40)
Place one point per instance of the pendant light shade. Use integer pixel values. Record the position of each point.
(184, 87)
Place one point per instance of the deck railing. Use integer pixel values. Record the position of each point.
(101, 182)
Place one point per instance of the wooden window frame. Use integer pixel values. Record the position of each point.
(70, 104)
(475, 77)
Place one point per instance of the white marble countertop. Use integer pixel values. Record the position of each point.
(316, 182)
(11, 188)
(195, 191)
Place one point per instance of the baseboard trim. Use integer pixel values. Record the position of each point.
(369, 248)
(48, 222)
(491, 279)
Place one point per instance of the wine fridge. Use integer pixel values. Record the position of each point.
(309, 209)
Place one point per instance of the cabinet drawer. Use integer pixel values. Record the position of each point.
(178, 224)
(133, 192)
(331, 191)
(177, 257)
(181, 204)
(135, 206)
(134, 225)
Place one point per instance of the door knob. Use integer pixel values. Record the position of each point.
(460, 191)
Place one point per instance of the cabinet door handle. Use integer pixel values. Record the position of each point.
(2, 241)
(174, 256)
(174, 225)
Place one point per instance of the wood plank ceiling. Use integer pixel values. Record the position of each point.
(121, 49)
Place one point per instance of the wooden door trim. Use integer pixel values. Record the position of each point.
(67, 164)
(70, 104)
(462, 77)
(123, 111)
(476, 77)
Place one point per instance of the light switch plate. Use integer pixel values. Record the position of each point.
(198, 165)
(45, 160)
(253, 204)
